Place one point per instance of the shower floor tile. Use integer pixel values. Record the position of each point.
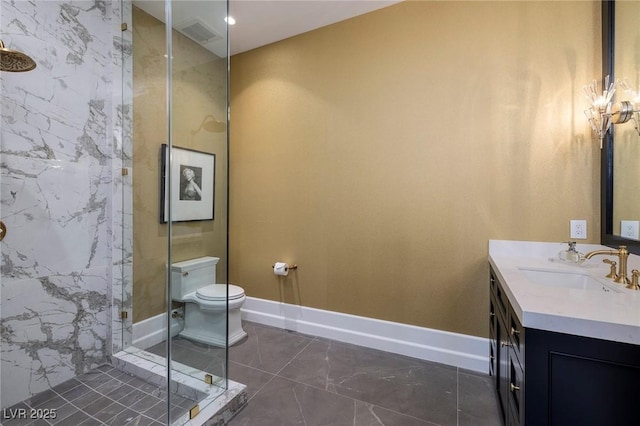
(104, 396)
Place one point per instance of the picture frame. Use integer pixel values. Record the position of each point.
(192, 184)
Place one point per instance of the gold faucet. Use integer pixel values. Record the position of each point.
(623, 255)
(613, 274)
(635, 274)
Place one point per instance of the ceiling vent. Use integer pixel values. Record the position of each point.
(198, 31)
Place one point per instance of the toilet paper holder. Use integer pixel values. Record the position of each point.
(289, 268)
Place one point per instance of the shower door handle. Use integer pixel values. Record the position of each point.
(3, 230)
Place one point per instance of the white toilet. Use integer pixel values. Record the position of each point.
(193, 282)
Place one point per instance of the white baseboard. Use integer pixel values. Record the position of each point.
(459, 350)
(151, 331)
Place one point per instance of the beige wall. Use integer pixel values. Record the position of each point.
(382, 153)
(199, 89)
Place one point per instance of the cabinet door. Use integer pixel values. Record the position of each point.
(574, 380)
(493, 342)
(493, 354)
(499, 345)
(503, 366)
(516, 334)
(516, 389)
(502, 302)
(513, 419)
(589, 391)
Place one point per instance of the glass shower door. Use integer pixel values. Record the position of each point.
(197, 191)
(179, 189)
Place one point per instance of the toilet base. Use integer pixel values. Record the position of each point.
(213, 340)
(210, 327)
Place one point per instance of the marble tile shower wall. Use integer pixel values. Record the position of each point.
(61, 192)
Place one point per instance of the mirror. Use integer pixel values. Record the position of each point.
(626, 155)
(620, 170)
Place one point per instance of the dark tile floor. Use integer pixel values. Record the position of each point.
(105, 396)
(291, 379)
(297, 379)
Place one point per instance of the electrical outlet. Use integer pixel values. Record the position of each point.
(630, 229)
(579, 229)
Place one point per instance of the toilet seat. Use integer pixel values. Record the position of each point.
(218, 292)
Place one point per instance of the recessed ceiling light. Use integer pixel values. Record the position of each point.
(229, 20)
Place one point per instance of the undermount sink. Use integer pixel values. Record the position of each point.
(562, 279)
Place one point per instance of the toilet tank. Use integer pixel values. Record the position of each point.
(189, 275)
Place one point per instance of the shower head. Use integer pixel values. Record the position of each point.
(210, 124)
(213, 125)
(14, 61)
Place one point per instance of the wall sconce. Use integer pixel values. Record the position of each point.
(599, 115)
(603, 113)
(629, 109)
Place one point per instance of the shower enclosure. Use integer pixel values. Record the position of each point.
(92, 205)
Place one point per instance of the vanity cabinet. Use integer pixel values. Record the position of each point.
(556, 378)
(506, 354)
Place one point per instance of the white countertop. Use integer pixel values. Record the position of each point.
(604, 315)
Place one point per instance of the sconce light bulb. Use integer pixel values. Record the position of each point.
(600, 103)
(634, 95)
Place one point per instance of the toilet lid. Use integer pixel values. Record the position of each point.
(219, 292)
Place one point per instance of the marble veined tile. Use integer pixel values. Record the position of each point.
(267, 349)
(59, 110)
(53, 328)
(65, 132)
(283, 401)
(417, 388)
(477, 401)
(56, 215)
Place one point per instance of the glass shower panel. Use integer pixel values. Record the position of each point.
(198, 194)
(122, 249)
(179, 192)
(149, 234)
(144, 275)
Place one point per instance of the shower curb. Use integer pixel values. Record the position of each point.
(218, 405)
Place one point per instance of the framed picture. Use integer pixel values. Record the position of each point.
(192, 184)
